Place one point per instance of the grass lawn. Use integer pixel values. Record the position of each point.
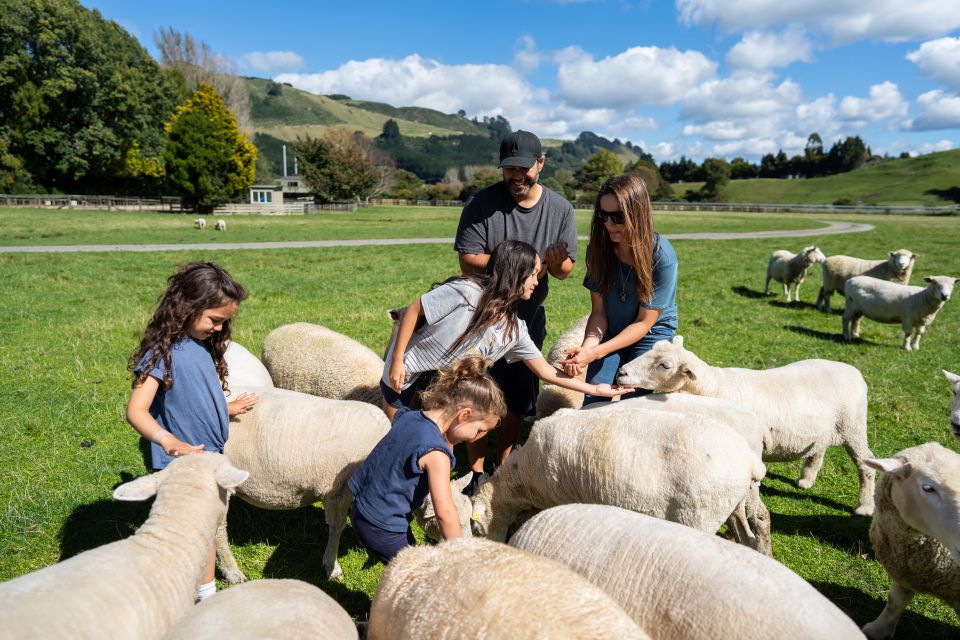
(68, 322)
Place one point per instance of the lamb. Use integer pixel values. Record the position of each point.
(244, 369)
(790, 268)
(313, 359)
(676, 582)
(200, 223)
(690, 469)
(471, 588)
(551, 396)
(914, 532)
(838, 269)
(137, 587)
(300, 449)
(954, 380)
(806, 406)
(267, 609)
(913, 307)
(221, 225)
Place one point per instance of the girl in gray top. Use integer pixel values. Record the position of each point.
(471, 314)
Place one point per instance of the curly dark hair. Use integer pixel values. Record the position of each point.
(194, 288)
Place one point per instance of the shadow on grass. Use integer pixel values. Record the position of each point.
(748, 293)
(843, 532)
(952, 194)
(823, 335)
(862, 608)
(102, 522)
(801, 494)
(796, 304)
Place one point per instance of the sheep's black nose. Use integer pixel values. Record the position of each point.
(956, 429)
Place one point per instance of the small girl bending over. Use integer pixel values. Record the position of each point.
(471, 314)
(460, 405)
(179, 372)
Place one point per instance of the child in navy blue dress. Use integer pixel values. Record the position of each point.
(179, 372)
(462, 404)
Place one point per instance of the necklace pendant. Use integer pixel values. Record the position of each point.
(623, 295)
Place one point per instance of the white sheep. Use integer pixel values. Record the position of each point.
(687, 468)
(915, 533)
(913, 307)
(200, 223)
(289, 609)
(791, 268)
(313, 359)
(244, 369)
(471, 588)
(300, 449)
(954, 381)
(838, 269)
(221, 225)
(806, 406)
(676, 582)
(552, 397)
(137, 587)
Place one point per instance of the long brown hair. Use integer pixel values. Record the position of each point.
(466, 383)
(510, 264)
(193, 289)
(634, 202)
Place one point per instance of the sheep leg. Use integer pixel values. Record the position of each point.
(740, 528)
(335, 509)
(759, 518)
(811, 467)
(886, 623)
(766, 285)
(796, 291)
(228, 563)
(855, 326)
(786, 290)
(858, 450)
(846, 327)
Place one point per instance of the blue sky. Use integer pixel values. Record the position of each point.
(699, 78)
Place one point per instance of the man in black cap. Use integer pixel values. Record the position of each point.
(518, 208)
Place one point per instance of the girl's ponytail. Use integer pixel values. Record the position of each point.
(466, 383)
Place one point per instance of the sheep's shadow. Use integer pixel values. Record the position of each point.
(800, 494)
(842, 532)
(796, 304)
(93, 525)
(746, 292)
(823, 335)
(862, 608)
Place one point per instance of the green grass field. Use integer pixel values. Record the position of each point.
(68, 323)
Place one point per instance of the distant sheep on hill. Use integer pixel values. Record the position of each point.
(221, 225)
(200, 223)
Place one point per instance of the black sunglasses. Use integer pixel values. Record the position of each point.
(616, 217)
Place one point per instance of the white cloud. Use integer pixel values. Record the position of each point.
(638, 76)
(884, 102)
(766, 50)
(938, 110)
(841, 20)
(939, 60)
(486, 89)
(271, 61)
(741, 95)
(932, 147)
(527, 58)
(716, 130)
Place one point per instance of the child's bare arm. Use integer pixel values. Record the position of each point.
(404, 332)
(138, 415)
(437, 465)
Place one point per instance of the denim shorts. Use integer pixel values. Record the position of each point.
(409, 397)
(383, 544)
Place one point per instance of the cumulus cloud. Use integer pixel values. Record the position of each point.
(271, 61)
(840, 20)
(767, 50)
(527, 58)
(938, 110)
(884, 102)
(638, 76)
(939, 60)
(741, 95)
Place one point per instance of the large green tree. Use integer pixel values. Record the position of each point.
(207, 160)
(77, 92)
(601, 165)
(335, 166)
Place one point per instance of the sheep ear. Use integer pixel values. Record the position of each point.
(229, 477)
(951, 377)
(927, 279)
(460, 483)
(139, 489)
(687, 371)
(893, 466)
(677, 341)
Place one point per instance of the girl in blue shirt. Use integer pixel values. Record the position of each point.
(179, 372)
(632, 278)
(415, 457)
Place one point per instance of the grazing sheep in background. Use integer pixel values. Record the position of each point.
(552, 397)
(838, 269)
(954, 381)
(914, 532)
(806, 406)
(221, 225)
(687, 468)
(470, 588)
(313, 359)
(244, 369)
(676, 582)
(913, 307)
(300, 449)
(289, 609)
(200, 223)
(137, 587)
(790, 268)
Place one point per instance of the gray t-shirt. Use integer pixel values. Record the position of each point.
(491, 216)
(448, 310)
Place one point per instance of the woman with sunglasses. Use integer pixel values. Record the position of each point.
(632, 278)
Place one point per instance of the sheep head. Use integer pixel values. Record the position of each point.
(942, 286)
(667, 367)
(954, 381)
(901, 259)
(427, 517)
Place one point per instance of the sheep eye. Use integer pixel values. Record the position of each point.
(928, 488)
(666, 364)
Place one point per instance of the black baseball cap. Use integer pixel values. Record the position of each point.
(520, 149)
